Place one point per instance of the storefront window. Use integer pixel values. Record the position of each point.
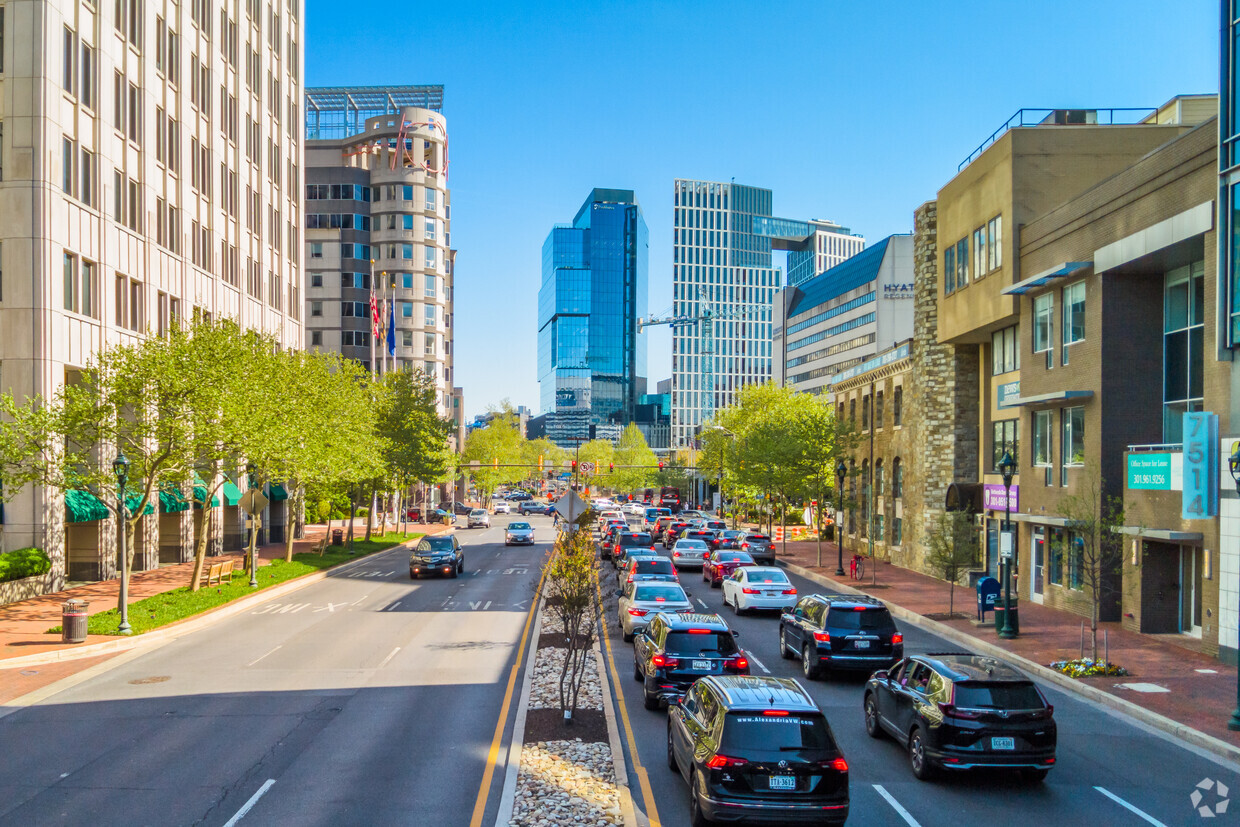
(1054, 560)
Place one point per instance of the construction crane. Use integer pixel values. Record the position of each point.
(705, 319)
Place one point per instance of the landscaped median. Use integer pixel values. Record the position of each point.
(172, 606)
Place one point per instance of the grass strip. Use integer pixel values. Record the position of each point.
(169, 607)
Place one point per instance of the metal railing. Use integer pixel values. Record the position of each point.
(1062, 117)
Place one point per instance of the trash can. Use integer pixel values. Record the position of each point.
(999, 616)
(73, 621)
(337, 536)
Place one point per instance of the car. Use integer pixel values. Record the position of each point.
(502, 507)
(651, 515)
(958, 711)
(647, 598)
(758, 587)
(656, 531)
(721, 564)
(756, 748)
(520, 496)
(528, 507)
(671, 531)
(835, 632)
(675, 650)
(726, 538)
(759, 547)
(630, 541)
(635, 508)
(440, 554)
(697, 534)
(519, 533)
(646, 567)
(479, 518)
(413, 514)
(608, 515)
(461, 508)
(689, 554)
(607, 541)
(687, 514)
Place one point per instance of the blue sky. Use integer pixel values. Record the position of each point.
(852, 111)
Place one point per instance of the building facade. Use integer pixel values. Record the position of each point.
(591, 353)
(813, 246)
(153, 171)
(844, 316)
(379, 224)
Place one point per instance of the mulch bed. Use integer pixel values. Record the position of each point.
(559, 640)
(549, 725)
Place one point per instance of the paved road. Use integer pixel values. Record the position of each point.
(1097, 748)
(362, 699)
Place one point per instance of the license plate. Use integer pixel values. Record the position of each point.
(861, 644)
(783, 782)
(1003, 743)
(702, 665)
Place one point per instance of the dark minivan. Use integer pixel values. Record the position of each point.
(756, 749)
(837, 632)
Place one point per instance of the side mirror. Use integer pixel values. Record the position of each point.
(735, 633)
(881, 675)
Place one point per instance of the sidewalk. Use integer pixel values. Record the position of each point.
(1200, 691)
(24, 624)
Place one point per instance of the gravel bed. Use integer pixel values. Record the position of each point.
(545, 689)
(566, 782)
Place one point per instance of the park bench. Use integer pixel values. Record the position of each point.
(321, 546)
(218, 571)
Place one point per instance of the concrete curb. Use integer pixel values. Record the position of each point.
(613, 739)
(508, 798)
(1162, 723)
(189, 625)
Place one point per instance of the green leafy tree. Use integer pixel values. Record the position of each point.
(415, 437)
(571, 589)
(636, 463)
(953, 549)
(1093, 545)
(498, 448)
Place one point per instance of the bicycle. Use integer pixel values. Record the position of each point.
(856, 569)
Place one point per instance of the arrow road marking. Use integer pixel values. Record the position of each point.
(1121, 802)
(904, 814)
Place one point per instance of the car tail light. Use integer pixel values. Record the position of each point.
(675, 553)
(837, 764)
(664, 662)
(897, 638)
(858, 608)
(775, 713)
(822, 637)
(638, 612)
(744, 545)
(751, 591)
(1042, 714)
(790, 591)
(700, 632)
(717, 762)
(950, 711)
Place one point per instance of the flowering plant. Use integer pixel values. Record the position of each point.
(1087, 668)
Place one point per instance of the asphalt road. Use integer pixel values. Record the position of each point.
(1108, 768)
(366, 698)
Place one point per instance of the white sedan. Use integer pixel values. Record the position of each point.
(690, 554)
(758, 587)
(503, 507)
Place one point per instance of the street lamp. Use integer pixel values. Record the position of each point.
(1007, 467)
(840, 470)
(120, 467)
(1233, 465)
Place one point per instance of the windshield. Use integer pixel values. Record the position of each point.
(1006, 695)
(753, 731)
(710, 644)
(867, 619)
(518, 526)
(659, 565)
(660, 593)
(436, 544)
(477, 512)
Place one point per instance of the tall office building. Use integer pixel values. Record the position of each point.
(152, 170)
(591, 356)
(813, 246)
(722, 264)
(378, 220)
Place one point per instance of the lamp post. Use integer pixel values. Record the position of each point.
(120, 467)
(1233, 465)
(840, 470)
(254, 518)
(1007, 467)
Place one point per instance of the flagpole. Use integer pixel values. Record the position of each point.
(373, 342)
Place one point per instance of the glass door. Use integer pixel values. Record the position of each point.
(1192, 563)
(1038, 560)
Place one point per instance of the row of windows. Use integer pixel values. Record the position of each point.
(987, 256)
(852, 304)
(337, 221)
(1005, 350)
(1073, 321)
(879, 411)
(1072, 440)
(844, 327)
(831, 370)
(1065, 556)
(861, 494)
(337, 192)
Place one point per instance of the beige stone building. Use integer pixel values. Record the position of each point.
(151, 163)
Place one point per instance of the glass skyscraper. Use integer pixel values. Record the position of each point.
(591, 356)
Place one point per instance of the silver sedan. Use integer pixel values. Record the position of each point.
(519, 533)
(645, 600)
(690, 554)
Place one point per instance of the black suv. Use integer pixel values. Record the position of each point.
(625, 542)
(437, 555)
(759, 547)
(674, 650)
(756, 748)
(837, 632)
(962, 712)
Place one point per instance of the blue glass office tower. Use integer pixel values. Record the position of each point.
(591, 356)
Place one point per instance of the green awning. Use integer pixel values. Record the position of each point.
(83, 507)
(131, 502)
(171, 501)
(278, 492)
(232, 494)
(200, 493)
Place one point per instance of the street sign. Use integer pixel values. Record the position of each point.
(253, 501)
(1005, 545)
(587, 467)
(570, 506)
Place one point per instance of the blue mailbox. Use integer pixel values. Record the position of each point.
(987, 596)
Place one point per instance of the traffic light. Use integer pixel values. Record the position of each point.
(550, 475)
(660, 465)
(574, 466)
(611, 468)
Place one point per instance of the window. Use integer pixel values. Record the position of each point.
(994, 246)
(1073, 440)
(406, 251)
(1005, 437)
(316, 279)
(316, 338)
(429, 344)
(87, 95)
(406, 281)
(406, 338)
(878, 410)
(897, 478)
(431, 285)
(852, 409)
(897, 531)
(1183, 362)
(1005, 350)
(137, 305)
(430, 315)
(1054, 557)
(87, 193)
(68, 70)
(316, 309)
(68, 153)
(430, 193)
(879, 478)
(1042, 431)
(316, 249)
(406, 310)
(865, 412)
(962, 262)
(1044, 323)
(979, 252)
(949, 270)
(1073, 316)
(1, 38)
(406, 193)
(71, 282)
(1076, 562)
(429, 230)
(430, 258)
(897, 406)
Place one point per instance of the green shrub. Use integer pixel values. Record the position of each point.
(24, 562)
(362, 512)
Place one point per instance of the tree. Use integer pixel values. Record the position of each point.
(27, 434)
(497, 448)
(637, 463)
(415, 437)
(599, 452)
(821, 441)
(953, 550)
(571, 590)
(1092, 545)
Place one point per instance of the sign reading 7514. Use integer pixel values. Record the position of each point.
(1201, 463)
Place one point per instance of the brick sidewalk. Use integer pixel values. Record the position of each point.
(1202, 691)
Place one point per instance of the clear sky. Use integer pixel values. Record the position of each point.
(851, 111)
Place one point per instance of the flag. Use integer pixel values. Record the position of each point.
(391, 331)
(374, 315)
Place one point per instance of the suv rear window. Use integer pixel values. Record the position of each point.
(753, 731)
(635, 540)
(1005, 695)
(687, 644)
(761, 538)
(866, 620)
(660, 592)
(716, 525)
(660, 566)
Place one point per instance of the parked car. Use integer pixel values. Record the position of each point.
(759, 547)
(519, 533)
(627, 542)
(758, 587)
(646, 599)
(962, 712)
(839, 632)
(646, 567)
(440, 554)
(520, 496)
(721, 564)
(529, 507)
(671, 531)
(689, 554)
(757, 747)
(479, 518)
(461, 508)
(413, 514)
(726, 538)
(501, 507)
(677, 649)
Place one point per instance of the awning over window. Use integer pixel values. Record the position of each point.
(131, 502)
(1166, 535)
(1052, 398)
(1059, 271)
(278, 492)
(171, 501)
(232, 494)
(83, 507)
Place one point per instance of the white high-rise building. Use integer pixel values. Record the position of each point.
(150, 168)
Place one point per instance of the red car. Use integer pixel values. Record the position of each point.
(721, 564)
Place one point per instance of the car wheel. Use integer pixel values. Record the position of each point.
(460, 569)
(628, 636)
(922, 770)
(736, 604)
(808, 668)
(872, 727)
(715, 585)
(784, 652)
(650, 701)
(696, 818)
(1036, 776)
(671, 752)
